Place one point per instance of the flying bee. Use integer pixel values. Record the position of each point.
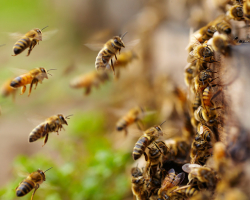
(88, 80)
(7, 90)
(149, 136)
(123, 60)
(34, 180)
(51, 124)
(170, 181)
(236, 13)
(138, 184)
(246, 9)
(202, 173)
(110, 49)
(34, 76)
(134, 115)
(29, 40)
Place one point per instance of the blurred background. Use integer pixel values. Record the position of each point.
(90, 159)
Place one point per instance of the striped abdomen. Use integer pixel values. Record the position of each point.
(24, 188)
(21, 45)
(187, 192)
(37, 133)
(197, 101)
(124, 122)
(21, 80)
(223, 27)
(102, 59)
(207, 95)
(140, 147)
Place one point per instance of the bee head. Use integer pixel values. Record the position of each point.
(38, 34)
(41, 173)
(118, 41)
(44, 72)
(62, 119)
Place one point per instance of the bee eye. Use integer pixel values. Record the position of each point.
(157, 128)
(61, 117)
(41, 172)
(116, 41)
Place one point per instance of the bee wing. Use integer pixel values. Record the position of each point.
(179, 178)
(132, 43)
(48, 34)
(15, 35)
(94, 47)
(180, 188)
(171, 171)
(18, 71)
(189, 167)
(35, 119)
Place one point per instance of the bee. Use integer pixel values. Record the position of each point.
(185, 191)
(29, 40)
(149, 136)
(51, 124)
(87, 81)
(138, 184)
(110, 49)
(206, 32)
(134, 115)
(34, 180)
(223, 26)
(220, 43)
(203, 52)
(178, 148)
(32, 77)
(7, 90)
(202, 173)
(236, 13)
(169, 183)
(190, 73)
(246, 9)
(206, 133)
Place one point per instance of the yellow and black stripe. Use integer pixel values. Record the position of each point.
(140, 147)
(21, 45)
(37, 133)
(25, 187)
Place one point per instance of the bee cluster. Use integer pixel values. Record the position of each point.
(204, 148)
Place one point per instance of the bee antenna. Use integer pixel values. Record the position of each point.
(49, 74)
(67, 117)
(2, 45)
(44, 28)
(47, 170)
(124, 34)
(163, 122)
(51, 69)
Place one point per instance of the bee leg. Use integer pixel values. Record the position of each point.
(32, 45)
(115, 56)
(46, 139)
(31, 85)
(139, 125)
(13, 96)
(37, 186)
(88, 90)
(146, 156)
(112, 67)
(23, 89)
(126, 131)
(157, 147)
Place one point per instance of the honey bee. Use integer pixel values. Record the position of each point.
(203, 52)
(220, 43)
(32, 77)
(185, 191)
(149, 136)
(138, 184)
(246, 9)
(202, 173)
(236, 13)
(87, 81)
(179, 149)
(223, 26)
(51, 124)
(7, 90)
(190, 73)
(206, 133)
(34, 180)
(206, 32)
(110, 49)
(30, 39)
(154, 160)
(134, 115)
(169, 183)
